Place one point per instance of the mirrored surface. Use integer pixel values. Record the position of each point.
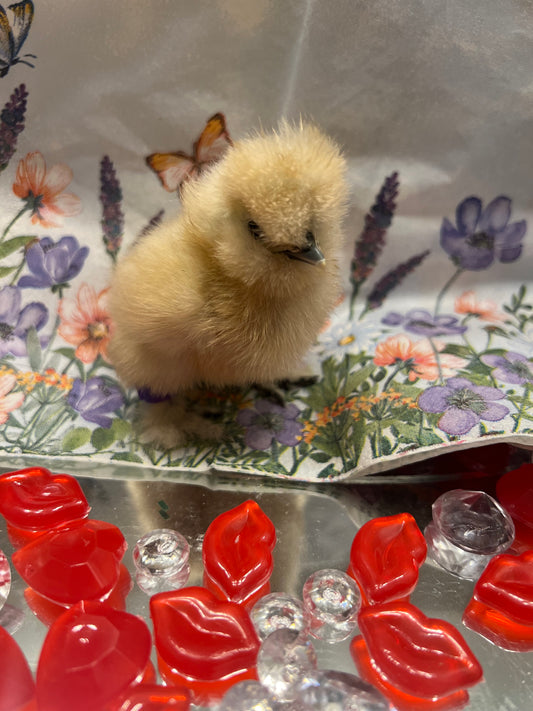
(315, 527)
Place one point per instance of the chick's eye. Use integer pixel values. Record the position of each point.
(309, 237)
(254, 229)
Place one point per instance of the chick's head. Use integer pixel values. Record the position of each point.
(279, 200)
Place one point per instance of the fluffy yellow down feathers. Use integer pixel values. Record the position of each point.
(235, 289)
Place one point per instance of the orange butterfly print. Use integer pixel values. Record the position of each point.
(174, 169)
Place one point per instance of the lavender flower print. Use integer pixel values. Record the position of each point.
(154, 222)
(370, 243)
(95, 399)
(392, 279)
(422, 323)
(481, 236)
(12, 124)
(463, 405)
(53, 264)
(513, 368)
(16, 322)
(111, 200)
(267, 421)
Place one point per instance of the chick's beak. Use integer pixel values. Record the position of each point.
(311, 254)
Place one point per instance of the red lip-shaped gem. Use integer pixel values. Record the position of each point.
(78, 561)
(17, 687)
(237, 554)
(151, 697)
(385, 557)
(150, 675)
(502, 605)
(514, 491)
(36, 499)
(422, 657)
(201, 638)
(507, 585)
(400, 700)
(90, 656)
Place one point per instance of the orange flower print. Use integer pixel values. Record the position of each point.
(8, 401)
(418, 358)
(484, 309)
(42, 190)
(86, 323)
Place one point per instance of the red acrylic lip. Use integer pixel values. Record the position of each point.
(514, 491)
(200, 636)
(36, 499)
(422, 657)
(90, 656)
(501, 609)
(153, 697)
(203, 693)
(17, 688)
(77, 561)
(237, 554)
(203, 642)
(385, 557)
(400, 700)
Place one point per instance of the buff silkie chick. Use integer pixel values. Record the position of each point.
(234, 291)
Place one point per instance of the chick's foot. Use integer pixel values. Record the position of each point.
(170, 424)
(305, 381)
(272, 393)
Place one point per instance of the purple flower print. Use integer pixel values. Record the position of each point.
(393, 318)
(369, 245)
(481, 236)
(463, 405)
(422, 323)
(111, 200)
(267, 421)
(12, 124)
(95, 399)
(54, 264)
(512, 368)
(16, 322)
(392, 279)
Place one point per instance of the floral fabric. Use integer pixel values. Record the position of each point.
(431, 342)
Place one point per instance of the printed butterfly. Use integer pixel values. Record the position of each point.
(174, 169)
(13, 37)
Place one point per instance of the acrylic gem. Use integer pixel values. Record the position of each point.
(5, 579)
(78, 561)
(161, 559)
(468, 529)
(331, 604)
(90, 656)
(247, 696)
(277, 611)
(284, 662)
